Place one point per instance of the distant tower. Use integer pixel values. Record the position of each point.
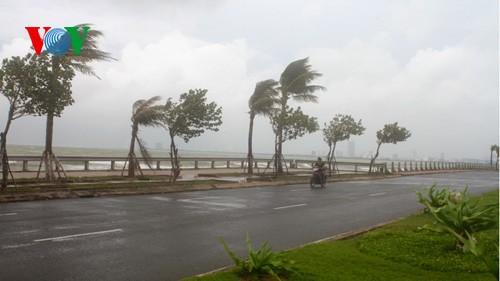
(351, 152)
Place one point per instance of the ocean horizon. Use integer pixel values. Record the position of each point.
(37, 150)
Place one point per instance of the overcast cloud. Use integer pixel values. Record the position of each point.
(432, 66)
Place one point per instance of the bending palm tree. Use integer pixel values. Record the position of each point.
(144, 113)
(89, 52)
(295, 83)
(262, 102)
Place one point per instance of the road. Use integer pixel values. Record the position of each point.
(176, 235)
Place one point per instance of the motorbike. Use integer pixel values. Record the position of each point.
(318, 179)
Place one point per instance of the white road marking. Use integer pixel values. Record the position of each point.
(378, 194)
(159, 198)
(290, 206)
(8, 214)
(218, 204)
(301, 189)
(16, 246)
(61, 238)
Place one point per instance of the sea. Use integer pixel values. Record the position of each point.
(32, 150)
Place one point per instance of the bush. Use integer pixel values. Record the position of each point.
(261, 262)
(463, 218)
(435, 198)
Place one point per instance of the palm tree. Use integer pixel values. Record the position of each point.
(144, 113)
(262, 102)
(295, 84)
(89, 52)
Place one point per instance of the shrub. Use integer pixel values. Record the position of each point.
(463, 216)
(435, 198)
(261, 262)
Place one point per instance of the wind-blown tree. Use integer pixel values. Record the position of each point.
(391, 133)
(15, 82)
(189, 118)
(293, 123)
(53, 83)
(262, 102)
(340, 128)
(144, 113)
(60, 97)
(295, 83)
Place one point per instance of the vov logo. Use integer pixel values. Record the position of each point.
(57, 40)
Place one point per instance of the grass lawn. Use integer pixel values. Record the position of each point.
(395, 252)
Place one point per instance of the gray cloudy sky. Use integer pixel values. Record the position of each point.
(432, 66)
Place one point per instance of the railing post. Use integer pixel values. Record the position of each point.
(158, 165)
(242, 164)
(86, 165)
(196, 164)
(228, 164)
(411, 166)
(392, 167)
(112, 165)
(355, 169)
(25, 165)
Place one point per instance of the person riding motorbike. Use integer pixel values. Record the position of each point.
(320, 168)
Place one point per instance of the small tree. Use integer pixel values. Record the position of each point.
(340, 129)
(144, 113)
(15, 80)
(391, 133)
(54, 76)
(57, 94)
(189, 118)
(293, 124)
(262, 102)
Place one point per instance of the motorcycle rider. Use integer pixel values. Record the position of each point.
(320, 168)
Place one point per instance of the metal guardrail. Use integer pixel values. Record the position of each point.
(87, 163)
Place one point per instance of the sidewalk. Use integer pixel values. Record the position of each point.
(44, 191)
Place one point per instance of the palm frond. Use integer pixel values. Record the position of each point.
(144, 152)
(297, 77)
(145, 113)
(264, 98)
(90, 51)
(305, 97)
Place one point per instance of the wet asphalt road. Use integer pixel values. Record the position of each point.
(176, 235)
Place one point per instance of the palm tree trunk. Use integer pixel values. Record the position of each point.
(250, 152)
(374, 157)
(131, 153)
(279, 148)
(491, 157)
(48, 154)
